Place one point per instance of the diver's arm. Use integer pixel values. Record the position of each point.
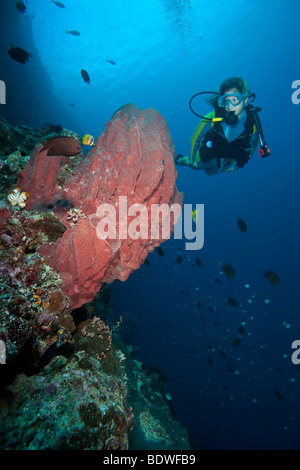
(181, 160)
(197, 136)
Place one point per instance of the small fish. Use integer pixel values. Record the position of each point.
(222, 354)
(62, 145)
(241, 330)
(198, 261)
(272, 277)
(85, 76)
(112, 62)
(241, 225)
(88, 140)
(278, 394)
(58, 4)
(195, 215)
(217, 280)
(73, 32)
(21, 7)
(179, 260)
(19, 55)
(197, 303)
(232, 302)
(229, 271)
(18, 198)
(160, 251)
(210, 362)
(147, 262)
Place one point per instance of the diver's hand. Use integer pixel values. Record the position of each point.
(181, 160)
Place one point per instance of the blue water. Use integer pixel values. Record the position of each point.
(165, 51)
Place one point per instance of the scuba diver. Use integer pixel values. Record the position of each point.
(226, 138)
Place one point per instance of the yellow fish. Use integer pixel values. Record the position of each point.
(18, 198)
(195, 215)
(88, 140)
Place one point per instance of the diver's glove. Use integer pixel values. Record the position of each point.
(181, 160)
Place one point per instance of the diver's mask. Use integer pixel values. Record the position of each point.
(231, 98)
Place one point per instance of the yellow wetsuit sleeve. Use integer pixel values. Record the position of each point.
(202, 127)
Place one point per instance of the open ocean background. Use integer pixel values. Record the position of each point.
(165, 51)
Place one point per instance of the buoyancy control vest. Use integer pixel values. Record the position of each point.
(214, 144)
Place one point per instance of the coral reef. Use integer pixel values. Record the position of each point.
(70, 405)
(155, 426)
(77, 404)
(16, 146)
(33, 308)
(69, 381)
(20, 139)
(133, 157)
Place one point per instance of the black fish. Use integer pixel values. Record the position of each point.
(160, 251)
(197, 303)
(58, 4)
(241, 330)
(112, 62)
(179, 259)
(217, 280)
(241, 225)
(210, 362)
(278, 394)
(19, 55)
(147, 262)
(85, 76)
(21, 7)
(232, 302)
(222, 354)
(272, 277)
(198, 261)
(74, 32)
(229, 271)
